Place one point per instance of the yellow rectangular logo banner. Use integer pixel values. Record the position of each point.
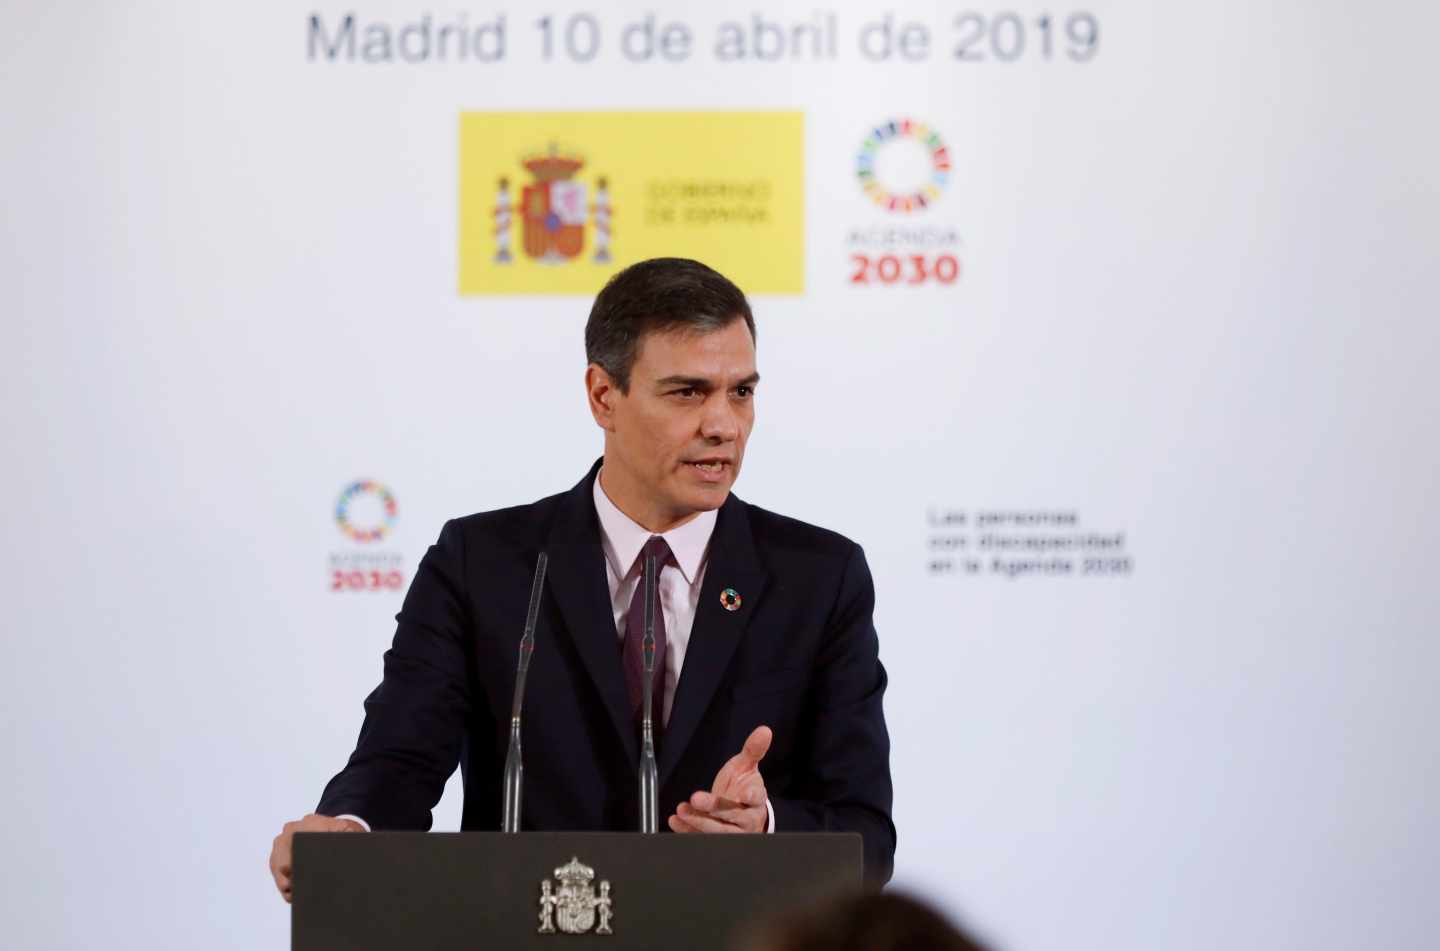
(557, 202)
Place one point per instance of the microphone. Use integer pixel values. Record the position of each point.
(649, 777)
(514, 768)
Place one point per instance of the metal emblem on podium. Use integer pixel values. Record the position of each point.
(569, 905)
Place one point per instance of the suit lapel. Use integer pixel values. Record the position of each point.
(732, 563)
(577, 581)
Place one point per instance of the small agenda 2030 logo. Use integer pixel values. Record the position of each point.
(904, 166)
(365, 513)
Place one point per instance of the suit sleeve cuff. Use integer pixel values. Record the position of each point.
(366, 826)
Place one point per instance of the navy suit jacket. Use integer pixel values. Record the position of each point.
(799, 655)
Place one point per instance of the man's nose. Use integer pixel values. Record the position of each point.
(719, 424)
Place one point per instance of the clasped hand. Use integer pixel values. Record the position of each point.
(284, 844)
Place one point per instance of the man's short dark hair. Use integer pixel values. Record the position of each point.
(658, 295)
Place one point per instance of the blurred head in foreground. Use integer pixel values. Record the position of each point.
(869, 922)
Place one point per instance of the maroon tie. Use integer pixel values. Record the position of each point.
(633, 652)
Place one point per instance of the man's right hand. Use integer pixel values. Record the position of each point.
(280, 851)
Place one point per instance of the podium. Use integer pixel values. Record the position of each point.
(555, 890)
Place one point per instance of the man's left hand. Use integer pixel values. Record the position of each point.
(736, 801)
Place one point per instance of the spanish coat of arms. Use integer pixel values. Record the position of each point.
(553, 210)
(568, 904)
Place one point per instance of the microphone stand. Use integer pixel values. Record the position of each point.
(514, 768)
(649, 776)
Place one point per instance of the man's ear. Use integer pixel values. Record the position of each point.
(601, 393)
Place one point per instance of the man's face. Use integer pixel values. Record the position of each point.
(676, 440)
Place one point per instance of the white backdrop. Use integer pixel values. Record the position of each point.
(1195, 310)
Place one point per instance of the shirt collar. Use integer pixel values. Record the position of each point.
(622, 537)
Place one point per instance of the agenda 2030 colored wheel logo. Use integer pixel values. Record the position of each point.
(924, 185)
(378, 516)
(904, 167)
(365, 513)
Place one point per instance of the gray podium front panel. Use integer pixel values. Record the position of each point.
(464, 890)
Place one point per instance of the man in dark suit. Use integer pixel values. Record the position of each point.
(766, 651)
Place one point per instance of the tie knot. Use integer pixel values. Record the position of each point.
(657, 548)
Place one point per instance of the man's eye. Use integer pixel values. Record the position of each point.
(744, 392)
(685, 393)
